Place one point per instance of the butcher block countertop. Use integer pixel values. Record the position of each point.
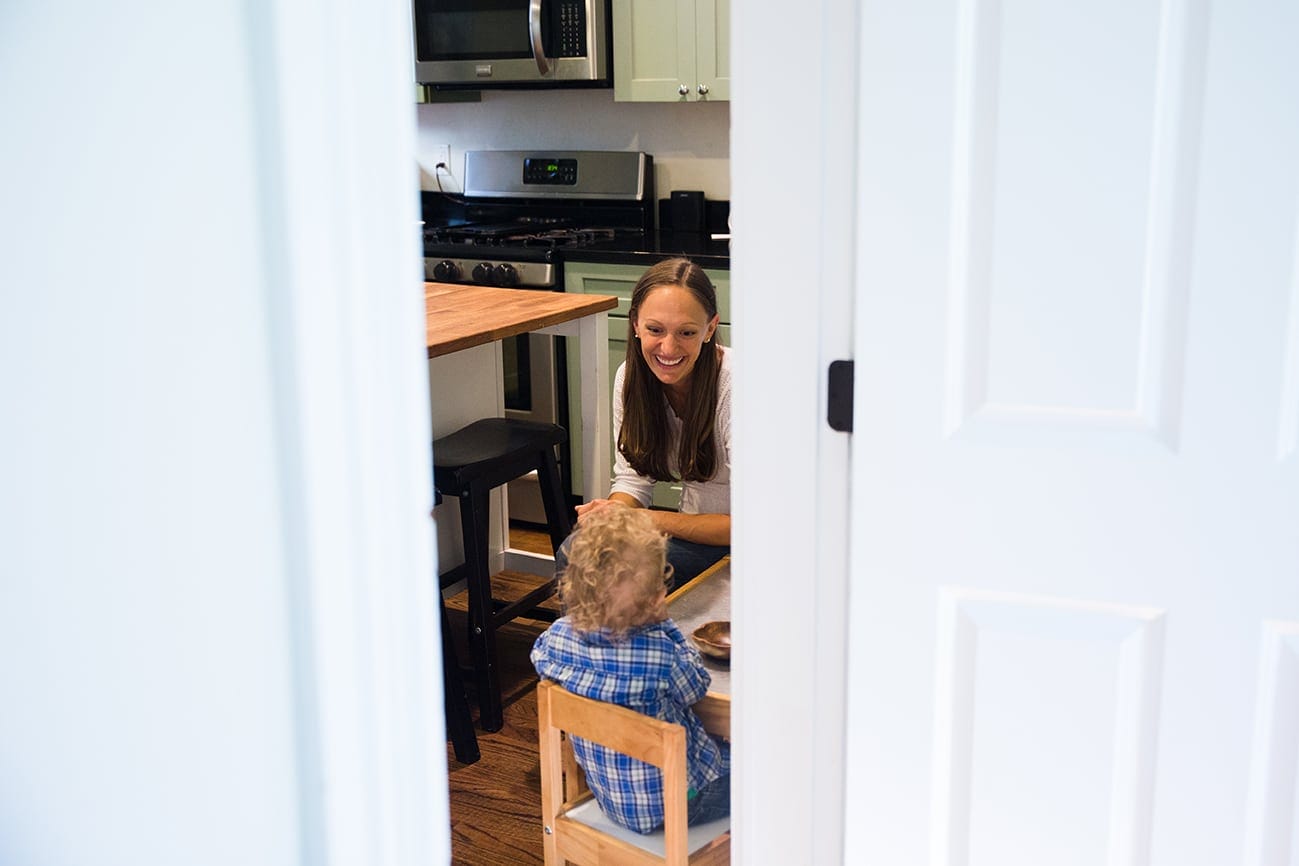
(458, 317)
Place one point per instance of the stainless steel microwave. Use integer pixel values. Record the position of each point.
(512, 43)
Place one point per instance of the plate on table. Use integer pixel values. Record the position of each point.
(714, 639)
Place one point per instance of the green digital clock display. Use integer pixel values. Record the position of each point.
(552, 172)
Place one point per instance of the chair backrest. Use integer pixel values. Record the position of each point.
(651, 740)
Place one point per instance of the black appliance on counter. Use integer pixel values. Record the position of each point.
(520, 212)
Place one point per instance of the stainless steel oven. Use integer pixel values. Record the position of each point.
(532, 377)
(512, 43)
(521, 210)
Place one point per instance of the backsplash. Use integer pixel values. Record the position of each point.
(690, 142)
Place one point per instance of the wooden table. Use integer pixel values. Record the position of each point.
(704, 599)
(459, 317)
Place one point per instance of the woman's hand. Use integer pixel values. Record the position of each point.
(593, 506)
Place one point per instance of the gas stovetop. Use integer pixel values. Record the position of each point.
(521, 209)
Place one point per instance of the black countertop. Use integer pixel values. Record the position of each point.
(649, 249)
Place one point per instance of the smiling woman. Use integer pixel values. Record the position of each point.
(672, 415)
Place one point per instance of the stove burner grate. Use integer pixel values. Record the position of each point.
(526, 232)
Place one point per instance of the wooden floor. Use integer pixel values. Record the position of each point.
(496, 802)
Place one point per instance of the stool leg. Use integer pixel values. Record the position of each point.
(552, 497)
(460, 724)
(474, 512)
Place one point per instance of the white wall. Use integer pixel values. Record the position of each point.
(690, 142)
(138, 409)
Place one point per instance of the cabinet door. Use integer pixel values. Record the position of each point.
(713, 50)
(654, 50)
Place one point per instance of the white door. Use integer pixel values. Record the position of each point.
(1075, 513)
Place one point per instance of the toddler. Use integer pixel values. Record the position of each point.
(616, 643)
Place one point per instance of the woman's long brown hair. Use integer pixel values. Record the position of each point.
(644, 438)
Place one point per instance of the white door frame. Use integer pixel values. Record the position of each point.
(793, 150)
(337, 147)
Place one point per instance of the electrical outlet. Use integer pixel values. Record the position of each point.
(442, 156)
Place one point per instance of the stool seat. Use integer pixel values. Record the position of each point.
(490, 450)
(468, 464)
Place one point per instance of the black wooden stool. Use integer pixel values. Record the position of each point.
(469, 464)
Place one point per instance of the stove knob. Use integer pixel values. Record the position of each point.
(506, 275)
(446, 271)
(483, 273)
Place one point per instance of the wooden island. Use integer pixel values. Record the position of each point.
(464, 326)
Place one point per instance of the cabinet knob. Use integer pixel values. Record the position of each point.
(703, 90)
(683, 90)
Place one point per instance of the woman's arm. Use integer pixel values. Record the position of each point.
(699, 528)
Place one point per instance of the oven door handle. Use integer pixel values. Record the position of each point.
(534, 30)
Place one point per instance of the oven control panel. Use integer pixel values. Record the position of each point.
(607, 175)
(552, 172)
(484, 272)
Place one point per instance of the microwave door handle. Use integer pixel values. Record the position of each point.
(534, 30)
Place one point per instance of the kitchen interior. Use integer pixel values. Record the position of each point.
(216, 634)
(572, 179)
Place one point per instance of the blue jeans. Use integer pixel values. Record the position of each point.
(687, 558)
(710, 802)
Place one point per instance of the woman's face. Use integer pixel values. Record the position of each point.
(673, 327)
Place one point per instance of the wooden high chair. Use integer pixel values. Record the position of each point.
(575, 828)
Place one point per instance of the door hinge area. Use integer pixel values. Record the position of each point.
(838, 410)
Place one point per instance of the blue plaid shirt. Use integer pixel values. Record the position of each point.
(653, 670)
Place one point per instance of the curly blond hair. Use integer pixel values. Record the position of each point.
(617, 571)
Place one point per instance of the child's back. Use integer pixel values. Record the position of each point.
(616, 644)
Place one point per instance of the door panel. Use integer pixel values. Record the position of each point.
(1075, 579)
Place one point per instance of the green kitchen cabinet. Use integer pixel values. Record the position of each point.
(671, 50)
(619, 281)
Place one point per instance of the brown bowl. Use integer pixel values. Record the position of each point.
(714, 639)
